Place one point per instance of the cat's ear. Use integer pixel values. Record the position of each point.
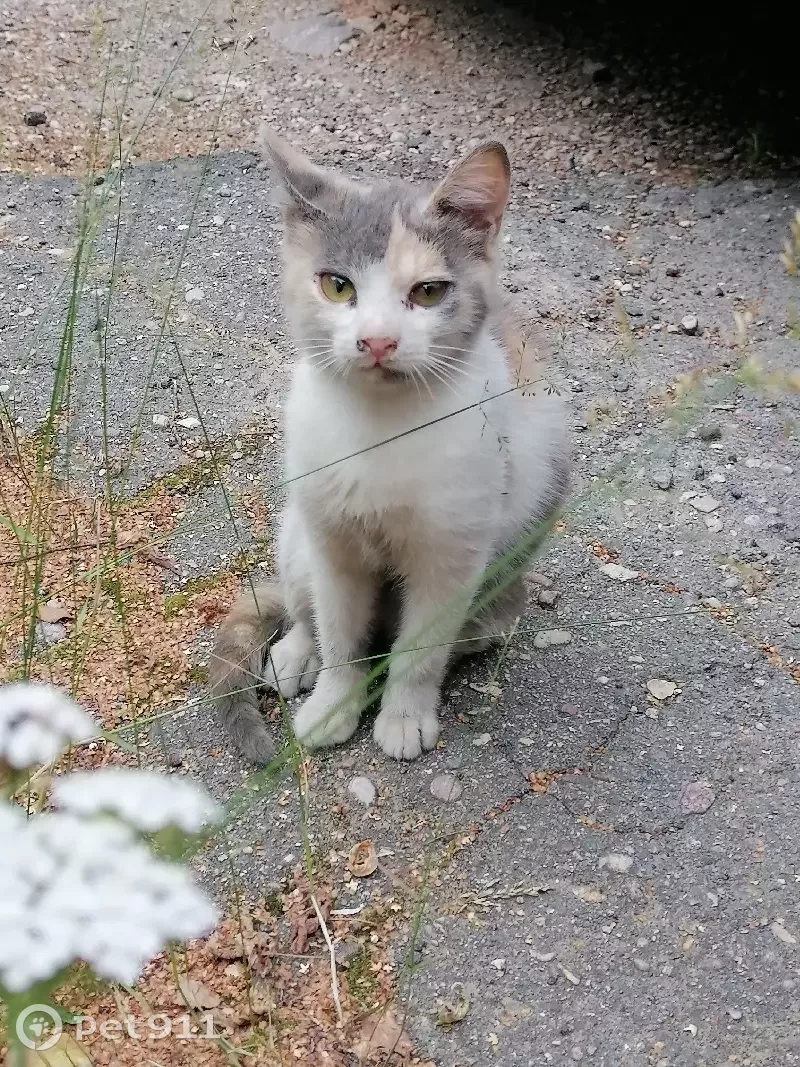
(477, 189)
(303, 184)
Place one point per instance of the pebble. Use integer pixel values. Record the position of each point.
(618, 862)
(661, 689)
(362, 790)
(194, 296)
(35, 116)
(710, 431)
(161, 421)
(184, 93)
(734, 582)
(191, 422)
(481, 740)
(705, 503)
(548, 598)
(640, 964)
(597, 71)
(552, 638)
(782, 934)
(446, 788)
(672, 271)
(661, 478)
(49, 633)
(689, 324)
(365, 24)
(735, 1014)
(697, 798)
(314, 35)
(618, 572)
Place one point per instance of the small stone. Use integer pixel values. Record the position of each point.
(345, 951)
(661, 478)
(569, 709)
(535, 578)
(46, 634)
(689, 324)
(618, 862)
(446, 788)
(597, 71)
(580, 203)
(697, 798)
(782, 934)
(734, 582)
(314, 35)
(710, 431)
(365, 24)
(640, 964)
(161, 421)
(618, 572)
(35, 116)
(673, 271)
(711, 602)
(735, 1014)
(362, 790)
(194, 296)
(548, 598)
(552, 638)
(705, 503)
(191, 422)
(184, 94)
(482, 740)
(661, 689)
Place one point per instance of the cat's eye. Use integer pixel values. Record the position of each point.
(428, 294)
(338, 289)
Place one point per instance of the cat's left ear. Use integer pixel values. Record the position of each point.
(477, 189)
(302, 182)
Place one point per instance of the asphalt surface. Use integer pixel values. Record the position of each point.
(622, 883)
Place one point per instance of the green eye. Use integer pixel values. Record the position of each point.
(337, 288)
(428, 294)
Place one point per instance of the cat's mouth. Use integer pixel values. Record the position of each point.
(379, 372)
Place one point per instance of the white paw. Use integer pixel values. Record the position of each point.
(404, 730)
(325, 719)
(293, 661)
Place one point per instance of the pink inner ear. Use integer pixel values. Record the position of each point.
(477, 188)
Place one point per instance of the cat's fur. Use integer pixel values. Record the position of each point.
(386, 486)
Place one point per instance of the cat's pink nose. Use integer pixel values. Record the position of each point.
(380, 348)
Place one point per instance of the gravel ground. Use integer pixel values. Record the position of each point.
(644, 770)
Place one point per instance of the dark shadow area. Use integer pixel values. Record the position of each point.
(733, 70)
(737, 66)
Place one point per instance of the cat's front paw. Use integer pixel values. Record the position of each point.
(407, 725)
(292, 663)
(323, 720)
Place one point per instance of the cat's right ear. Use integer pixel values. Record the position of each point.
(301, 183)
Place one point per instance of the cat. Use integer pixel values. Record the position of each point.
(414, 460)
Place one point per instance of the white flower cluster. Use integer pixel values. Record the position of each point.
(146, 799)
(37, 722)
(72, 889)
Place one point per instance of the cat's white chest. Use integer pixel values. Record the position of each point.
(367, 462)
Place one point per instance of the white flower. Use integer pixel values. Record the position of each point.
(37, 722)
(75, 889)
(146, 799)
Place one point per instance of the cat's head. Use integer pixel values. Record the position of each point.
(387, 282)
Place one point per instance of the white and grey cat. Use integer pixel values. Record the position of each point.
(413, 462)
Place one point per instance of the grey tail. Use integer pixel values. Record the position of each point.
(237, 663)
